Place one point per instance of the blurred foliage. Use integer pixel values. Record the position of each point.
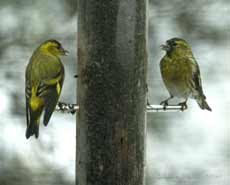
(14, 172)
(198, 18)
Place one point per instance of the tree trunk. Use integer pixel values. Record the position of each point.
(112, 62)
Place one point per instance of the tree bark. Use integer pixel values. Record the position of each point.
(112, 62)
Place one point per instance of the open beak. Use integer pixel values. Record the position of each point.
(64, 52)
(165, 47)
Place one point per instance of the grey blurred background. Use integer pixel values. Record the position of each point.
(189, 148)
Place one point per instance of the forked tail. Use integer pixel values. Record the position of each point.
(32, 129)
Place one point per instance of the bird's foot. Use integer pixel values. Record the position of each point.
(183, 106)
(164, 103)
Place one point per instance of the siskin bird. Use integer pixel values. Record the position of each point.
(181, 74)
(44, 79)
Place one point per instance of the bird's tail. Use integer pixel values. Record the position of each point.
(33, 124)
(203, 103)
(32, 129)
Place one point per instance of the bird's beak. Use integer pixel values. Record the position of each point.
(64, 52)
(165, 47)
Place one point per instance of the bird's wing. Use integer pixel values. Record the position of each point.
(52, 99)
(195, 81)
(54, 84)
(28, 93)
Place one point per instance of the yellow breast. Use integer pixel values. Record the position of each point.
(176, 75)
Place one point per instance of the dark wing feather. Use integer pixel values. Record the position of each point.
(28, 94)
(27, 113)
(197, 90)
(196, 79)
(51, 101)
(52, 97)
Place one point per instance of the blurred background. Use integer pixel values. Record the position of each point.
(189, 148)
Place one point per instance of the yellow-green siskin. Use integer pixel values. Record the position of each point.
(44, 79)
(181, 74)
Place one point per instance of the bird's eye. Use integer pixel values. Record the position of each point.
(174, 43)
(58, 47)
(171, 43)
